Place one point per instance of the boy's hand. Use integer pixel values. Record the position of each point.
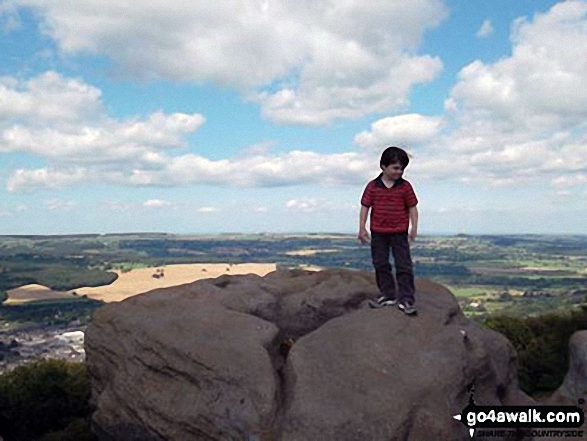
(412, 234)
(363, 235)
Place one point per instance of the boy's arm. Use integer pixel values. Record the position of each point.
(414, 222)
(363, 234)
(363, 217)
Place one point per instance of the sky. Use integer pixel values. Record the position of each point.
(268, 116)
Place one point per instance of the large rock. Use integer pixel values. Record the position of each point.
(295, 355)
(573, 391)
(574, 386)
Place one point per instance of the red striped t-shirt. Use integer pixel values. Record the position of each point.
(389, 206)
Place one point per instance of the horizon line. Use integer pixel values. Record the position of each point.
(282, 233)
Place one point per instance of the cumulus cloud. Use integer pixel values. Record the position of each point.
(64, 118)
(485, 30)
(409, 129)
(262, 170)
(295, 167)
(541, 86)
(522, 118)
(517, 121)
(497, 159)
(506, 123)
(292, 168)
(320, 102)
(305, 205)
(314, 205)
(305, 62)
(64, 121)
(47, 98)
(155, 203)
(27, 180)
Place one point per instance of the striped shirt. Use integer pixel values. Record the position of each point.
(389, 206)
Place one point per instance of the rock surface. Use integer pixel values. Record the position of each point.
(295, 355)
(574, 387)
(575, 383)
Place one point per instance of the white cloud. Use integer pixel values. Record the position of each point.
(521, 119)
(541, 86)
(320, 102)
(295, 167)
(48, 97)
(498, 129)
(400, 130)
(305, 205)
(485, 30)
(314, 205)
(571, 181)
(82, 144)
(292, 168)
(496, 159)
(64, 119)
(305, 62)
(155, 203)
(29, 180)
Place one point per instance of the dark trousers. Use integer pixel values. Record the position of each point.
(400, 249)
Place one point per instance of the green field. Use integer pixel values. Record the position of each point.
(469, 291)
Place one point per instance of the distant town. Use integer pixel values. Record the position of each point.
(21, 347)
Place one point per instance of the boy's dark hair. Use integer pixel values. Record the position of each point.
(394, 154)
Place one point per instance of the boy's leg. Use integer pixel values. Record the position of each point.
(404, 271)
(380, 255)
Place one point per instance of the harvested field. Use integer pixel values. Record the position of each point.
(29, 293)
(310, 252)
(141, 280)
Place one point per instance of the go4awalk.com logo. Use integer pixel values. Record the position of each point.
(510, 418)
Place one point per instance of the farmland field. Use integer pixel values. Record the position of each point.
(517, 275)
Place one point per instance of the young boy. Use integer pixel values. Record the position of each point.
(393, 208)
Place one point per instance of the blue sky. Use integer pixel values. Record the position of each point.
(266, 116)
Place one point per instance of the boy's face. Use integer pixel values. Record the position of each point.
(393, 171)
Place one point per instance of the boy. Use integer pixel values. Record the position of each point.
(393, 208)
